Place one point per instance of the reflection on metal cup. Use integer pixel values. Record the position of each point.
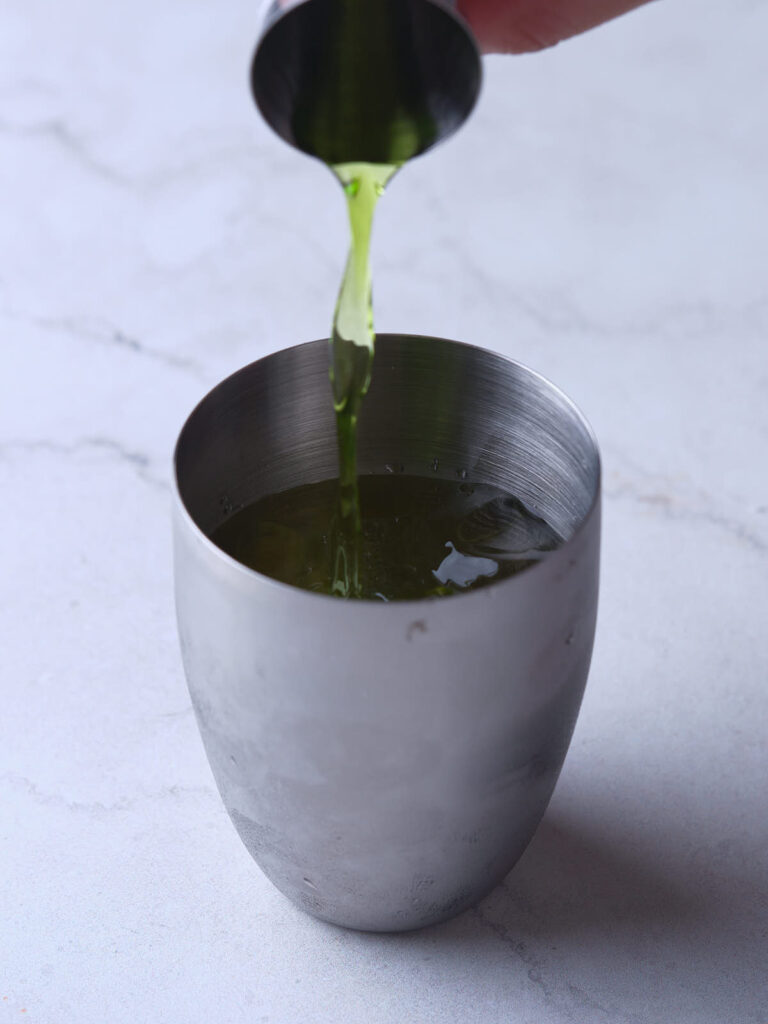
(387, 764)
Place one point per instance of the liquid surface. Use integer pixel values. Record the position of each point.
(419, 536)
(352, 342)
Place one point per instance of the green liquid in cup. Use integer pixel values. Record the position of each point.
(352, 341)
(418, 536)
(390, 537)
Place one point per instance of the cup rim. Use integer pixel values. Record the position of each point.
(492, 585)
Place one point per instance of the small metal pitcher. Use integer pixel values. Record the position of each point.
(376, 81)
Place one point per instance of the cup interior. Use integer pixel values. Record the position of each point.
(434, 407)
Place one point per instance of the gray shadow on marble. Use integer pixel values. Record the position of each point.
(572, 880)
(582, 905)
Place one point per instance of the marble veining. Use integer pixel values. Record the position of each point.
(97, 808)
(104, 333)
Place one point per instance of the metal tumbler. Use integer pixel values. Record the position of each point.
(386, 764)
(378, 81)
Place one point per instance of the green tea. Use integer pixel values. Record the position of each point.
(418, 536)
(352, 341)
(392, 537)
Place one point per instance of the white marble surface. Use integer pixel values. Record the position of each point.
(604, 218)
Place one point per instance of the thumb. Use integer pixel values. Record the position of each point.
(522, 26)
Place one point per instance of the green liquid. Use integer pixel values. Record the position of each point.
(419, 536)
(390, 537)
(352, 342)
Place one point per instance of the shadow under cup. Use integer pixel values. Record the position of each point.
(386, 764)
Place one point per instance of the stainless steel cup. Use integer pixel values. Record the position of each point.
(365, 80)
(386, 764)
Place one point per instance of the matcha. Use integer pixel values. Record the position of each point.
(391, 537)
(352, 340)
(417, 536)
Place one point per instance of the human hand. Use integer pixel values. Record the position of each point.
(522, 26)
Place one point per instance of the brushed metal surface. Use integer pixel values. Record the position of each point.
(365, 80)
(386, 764)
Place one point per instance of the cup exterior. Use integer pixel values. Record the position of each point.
(385, 764)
